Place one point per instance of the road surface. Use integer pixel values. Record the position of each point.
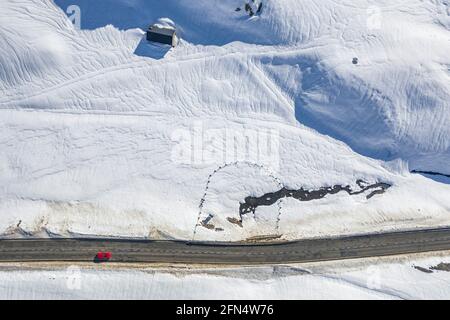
(371, 245)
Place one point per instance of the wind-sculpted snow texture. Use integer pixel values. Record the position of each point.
(104, 134)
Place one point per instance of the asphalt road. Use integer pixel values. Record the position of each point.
(371, 245)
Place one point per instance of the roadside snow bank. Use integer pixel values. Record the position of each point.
(387, 278)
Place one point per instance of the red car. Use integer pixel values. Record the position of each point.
(103, 256)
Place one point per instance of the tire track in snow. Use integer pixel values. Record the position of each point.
(147, 63)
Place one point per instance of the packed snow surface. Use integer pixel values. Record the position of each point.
(105, 134)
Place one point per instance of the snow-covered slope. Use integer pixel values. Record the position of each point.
(102, 133)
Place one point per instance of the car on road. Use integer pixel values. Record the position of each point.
(103, 256)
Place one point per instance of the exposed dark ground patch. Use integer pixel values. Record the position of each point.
(251, 203)
(235, 221)
(266, 238)
(205, 223)
(442, 267)
(425, 270)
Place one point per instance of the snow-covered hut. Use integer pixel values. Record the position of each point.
(162, 34)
